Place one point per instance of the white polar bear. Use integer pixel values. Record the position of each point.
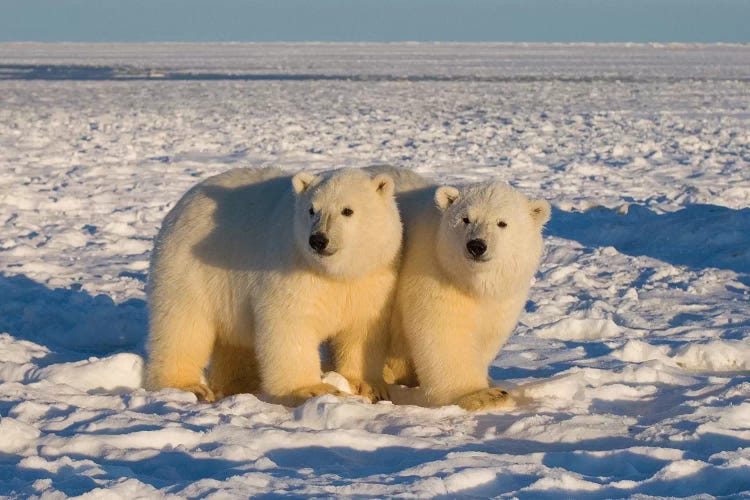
(253, 269)
(466, 271)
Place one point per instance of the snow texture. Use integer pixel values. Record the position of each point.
(631, 363)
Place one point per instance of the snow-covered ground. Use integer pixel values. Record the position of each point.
(631, 362)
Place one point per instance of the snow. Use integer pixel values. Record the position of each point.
(630, 365)
(579, 329)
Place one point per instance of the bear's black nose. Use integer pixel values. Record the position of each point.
(476, 247)
(318, 242)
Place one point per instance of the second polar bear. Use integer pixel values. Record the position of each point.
(253, 269)
(468, 260)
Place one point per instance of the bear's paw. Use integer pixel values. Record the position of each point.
(299, 396)
(486, 399)
(202, 392)
(373, 392)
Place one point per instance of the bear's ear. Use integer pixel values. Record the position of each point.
(540, 211)
(445, 196)
(302, 182)
(384, 184)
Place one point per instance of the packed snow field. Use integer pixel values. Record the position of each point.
(631, 363)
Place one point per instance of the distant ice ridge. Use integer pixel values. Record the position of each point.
(499, 62)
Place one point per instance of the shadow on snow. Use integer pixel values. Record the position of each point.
(698, 236)
(65, 320)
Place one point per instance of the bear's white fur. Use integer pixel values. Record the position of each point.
(235, 280)
(454, 310)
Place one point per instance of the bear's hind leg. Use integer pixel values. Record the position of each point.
(399, 368)
(179, 347)
(400, 371)
(233, 370)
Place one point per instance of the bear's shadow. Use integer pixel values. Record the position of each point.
(72, 324)
(697, 236)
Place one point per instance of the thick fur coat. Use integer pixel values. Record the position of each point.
(469, 256)
(253, 269)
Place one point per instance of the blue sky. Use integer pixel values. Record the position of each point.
(376, 20)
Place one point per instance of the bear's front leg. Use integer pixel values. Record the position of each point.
(289, 361)
(360, 357)
(445, 355)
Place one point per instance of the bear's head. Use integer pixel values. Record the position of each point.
(346, 223)
(490, 237)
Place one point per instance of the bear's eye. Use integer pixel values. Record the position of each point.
(347, 212)
(502, 223)
(311, 211)
(466, 220)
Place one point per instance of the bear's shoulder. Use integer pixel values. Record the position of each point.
(231, 198)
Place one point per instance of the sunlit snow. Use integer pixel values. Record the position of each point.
(631, 363)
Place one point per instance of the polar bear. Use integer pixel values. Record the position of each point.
(253, 269)
(466, 271)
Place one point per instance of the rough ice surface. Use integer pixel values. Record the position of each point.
(631, 362)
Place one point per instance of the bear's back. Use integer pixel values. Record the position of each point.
(421, 218)
(415, 198)
(405, 180)
(240, 177)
